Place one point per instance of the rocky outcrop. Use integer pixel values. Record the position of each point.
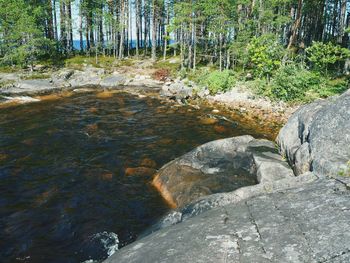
(317, 137)
(220, 166)
(283, 218)
(304, 224)
(176, 90)
(13, 88)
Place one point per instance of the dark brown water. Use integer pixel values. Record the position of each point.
(64, 195)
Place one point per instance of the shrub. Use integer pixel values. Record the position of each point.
(218, 81)
(265, 55)
(323, 56)
(291, 82)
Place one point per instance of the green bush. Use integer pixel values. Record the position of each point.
(291, 82)
(219, 81)
(265, 54)
(323, 56)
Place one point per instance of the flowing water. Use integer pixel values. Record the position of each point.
(67, 193)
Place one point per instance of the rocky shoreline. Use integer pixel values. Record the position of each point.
(296, 213)
(22, 87)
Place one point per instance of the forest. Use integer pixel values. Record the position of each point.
(289, 50)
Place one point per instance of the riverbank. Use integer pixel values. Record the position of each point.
(141, 78)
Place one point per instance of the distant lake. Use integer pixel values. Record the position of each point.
(132, 43)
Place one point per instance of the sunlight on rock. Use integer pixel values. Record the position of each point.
(208, 121)
(104, 95)
(158, 184)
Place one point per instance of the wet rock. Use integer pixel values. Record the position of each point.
(107, 176)
(104, 95)
(177, 91)
(208, 121)
(219, 166)
(147, 162)
(317, 136)
(19, 99)
(220, 129)
(203, 92)
(140, 171)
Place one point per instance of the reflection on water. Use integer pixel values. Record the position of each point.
(75, 173)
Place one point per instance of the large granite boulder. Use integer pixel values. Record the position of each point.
(220, 166)
(317, 137)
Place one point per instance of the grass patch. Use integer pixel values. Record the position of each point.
(78, 62)
(8, 69)
(36, 76)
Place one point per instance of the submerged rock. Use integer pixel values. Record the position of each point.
(140, 171)
(317, 136)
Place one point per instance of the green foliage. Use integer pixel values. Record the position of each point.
(295, 83)
(323, 56)
(265, 55)
(22, 40)
(291, 82)
(218, 81)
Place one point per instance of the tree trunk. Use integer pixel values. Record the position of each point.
(296, 25)
(50, 32)
(63, 33)
(122, 27)
(154, 31)
(137, 17)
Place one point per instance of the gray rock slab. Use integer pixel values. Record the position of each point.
(304, 224)
(29, 87)
(112, 81)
